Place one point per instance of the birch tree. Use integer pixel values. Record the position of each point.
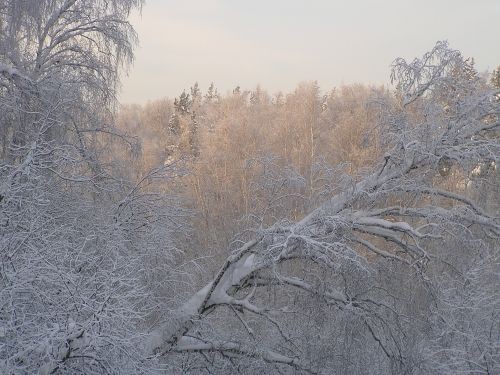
(81, 248)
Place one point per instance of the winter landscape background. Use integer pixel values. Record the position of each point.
(346, 230)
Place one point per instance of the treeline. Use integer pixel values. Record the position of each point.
(255, 157)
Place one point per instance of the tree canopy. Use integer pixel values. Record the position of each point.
(352, 232)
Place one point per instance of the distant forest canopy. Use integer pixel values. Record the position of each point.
(290, 126)
(230, 142)
(355, 232)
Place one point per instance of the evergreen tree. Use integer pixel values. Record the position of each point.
(195, 94)
(183, 103)
(193, 135)
(174, 124)
(212, 94)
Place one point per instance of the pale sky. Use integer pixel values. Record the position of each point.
(279, 43)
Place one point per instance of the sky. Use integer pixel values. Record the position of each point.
(279, 43)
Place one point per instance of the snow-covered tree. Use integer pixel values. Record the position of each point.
(394, 269)
(85, 254)
(392, 221)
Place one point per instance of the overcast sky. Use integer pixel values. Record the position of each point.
(278, 43)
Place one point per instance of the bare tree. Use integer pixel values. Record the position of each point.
(85, 254)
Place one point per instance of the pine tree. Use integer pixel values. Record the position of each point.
(183, 104)
(174, 124)
(193, 135)
(195, 94)
(212, 94)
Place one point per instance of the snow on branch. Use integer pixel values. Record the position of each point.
(12, 73)
(353, 222)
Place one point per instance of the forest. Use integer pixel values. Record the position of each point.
(347, 230)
